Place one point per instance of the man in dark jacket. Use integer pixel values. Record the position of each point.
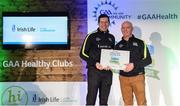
(132, 78)
(99, 77)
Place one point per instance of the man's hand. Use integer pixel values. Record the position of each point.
(100, 67)
(107, 68)
(129, 67)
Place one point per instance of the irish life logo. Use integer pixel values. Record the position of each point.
(13, 28)
(14, 96)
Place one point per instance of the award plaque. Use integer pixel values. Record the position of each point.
(116, 59)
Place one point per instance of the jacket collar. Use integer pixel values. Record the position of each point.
(130, 39)
(102, 31)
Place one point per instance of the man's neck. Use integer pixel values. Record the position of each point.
(103, 31)
(127, 38)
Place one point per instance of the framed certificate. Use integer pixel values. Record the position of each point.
(116, 59)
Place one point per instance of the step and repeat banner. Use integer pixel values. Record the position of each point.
(157, 22)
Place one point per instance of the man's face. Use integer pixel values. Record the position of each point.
(126, 29)
(103, 24)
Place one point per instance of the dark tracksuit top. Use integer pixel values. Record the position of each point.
(90, 52)
(139, 55)
(93, 43)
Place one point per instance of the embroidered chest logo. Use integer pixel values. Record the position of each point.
(110, 39)
(135, 44)
(98, 39)
(121, 45)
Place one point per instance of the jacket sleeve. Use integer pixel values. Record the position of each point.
(146, 60)
(84, 52)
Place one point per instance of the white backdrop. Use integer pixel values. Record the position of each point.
(157, 22)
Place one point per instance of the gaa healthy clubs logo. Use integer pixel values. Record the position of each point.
(14, 96)
(109, 8)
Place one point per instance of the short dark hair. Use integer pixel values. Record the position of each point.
(102, 16)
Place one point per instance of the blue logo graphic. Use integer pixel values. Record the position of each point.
(13, 28)
(111, 10)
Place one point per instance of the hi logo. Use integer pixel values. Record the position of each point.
(14, 96)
